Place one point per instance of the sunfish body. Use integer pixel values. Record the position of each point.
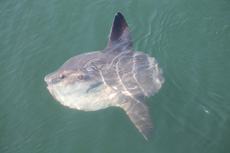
(115, 76)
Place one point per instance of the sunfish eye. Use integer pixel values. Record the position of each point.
(80, 77)
(62, 76)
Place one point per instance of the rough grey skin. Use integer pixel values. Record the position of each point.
(115, 76)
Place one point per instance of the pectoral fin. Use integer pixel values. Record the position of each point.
(138, 112)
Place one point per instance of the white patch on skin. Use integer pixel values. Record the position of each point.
(133, 87)
(111, 96)
(126, 93)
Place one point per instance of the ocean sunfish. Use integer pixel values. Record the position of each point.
(115, 76)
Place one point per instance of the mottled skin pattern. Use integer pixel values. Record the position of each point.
(116, 76)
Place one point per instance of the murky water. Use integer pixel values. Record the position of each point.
(190, 40)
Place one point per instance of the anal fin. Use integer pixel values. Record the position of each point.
(138, 112)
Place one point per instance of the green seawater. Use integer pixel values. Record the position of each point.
(189, 38)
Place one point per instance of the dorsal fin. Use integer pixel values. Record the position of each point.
(120, 37)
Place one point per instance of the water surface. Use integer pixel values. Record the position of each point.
(190, 40)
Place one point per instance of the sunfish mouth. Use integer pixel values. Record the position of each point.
(48, 81)
(48, 78)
